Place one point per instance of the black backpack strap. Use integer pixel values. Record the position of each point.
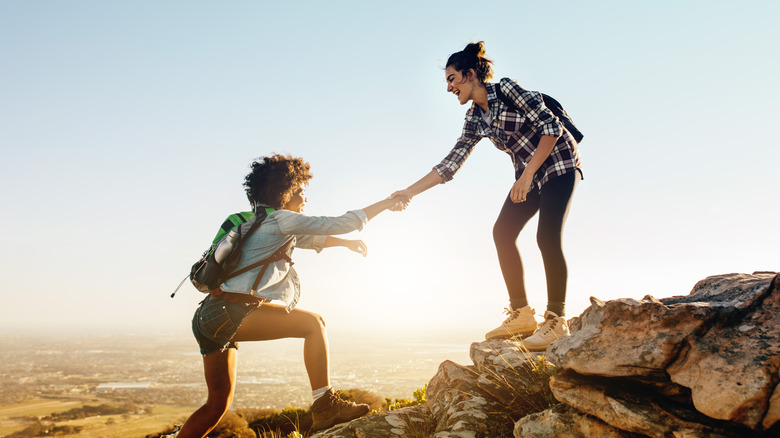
(280, 254)
(511, 103)
(562, 115)
(283, 253)
(553, 105)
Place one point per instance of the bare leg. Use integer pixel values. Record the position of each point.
(271, 321)
(220, 371)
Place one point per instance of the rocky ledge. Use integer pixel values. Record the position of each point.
(704, 364)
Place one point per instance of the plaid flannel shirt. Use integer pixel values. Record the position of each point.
(516, 133)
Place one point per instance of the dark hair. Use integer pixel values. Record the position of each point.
(274, 179)
(473, 56)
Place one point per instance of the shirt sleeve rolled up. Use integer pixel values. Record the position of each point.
(454, 160)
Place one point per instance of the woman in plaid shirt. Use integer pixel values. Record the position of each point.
(547, 168)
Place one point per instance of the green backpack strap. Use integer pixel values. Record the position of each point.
(232, 221)
(236, 220)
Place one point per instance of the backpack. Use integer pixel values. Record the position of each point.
(550, 103)
(218, 263)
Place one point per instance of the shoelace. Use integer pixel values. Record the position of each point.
(335, 399)
(512, 314)
(548, 326)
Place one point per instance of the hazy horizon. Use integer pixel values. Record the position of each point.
(67, 366)
(463, 336)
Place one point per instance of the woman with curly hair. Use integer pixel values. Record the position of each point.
(547, 168)
(238, 311)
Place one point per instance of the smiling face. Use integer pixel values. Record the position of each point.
(459, 85)
(297, 200)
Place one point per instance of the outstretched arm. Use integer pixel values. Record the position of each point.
(378, 207)
(431, 179)
(357, 246)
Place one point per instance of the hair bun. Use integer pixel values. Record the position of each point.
(477, 49)
(472, 57)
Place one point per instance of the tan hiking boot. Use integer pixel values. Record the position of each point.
(520, 323)
(553, 328)
(330, 409)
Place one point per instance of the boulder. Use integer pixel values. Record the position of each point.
(632, 407)
(456, 402)
(732, 368)
(563, 421)
(484, 400)
(513, 376)
(481, 400)
(628, 337)
(705, 363)
(405, 422)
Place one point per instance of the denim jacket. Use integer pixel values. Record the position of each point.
(280, 281)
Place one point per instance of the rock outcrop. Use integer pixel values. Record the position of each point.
(704, 364)
(480, 400)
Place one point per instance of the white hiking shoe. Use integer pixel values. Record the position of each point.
(520, 323)
(553, 328)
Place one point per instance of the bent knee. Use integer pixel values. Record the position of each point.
(315, 322)
(218, 404)
(320, 321)
(497, 234)
(502, 236)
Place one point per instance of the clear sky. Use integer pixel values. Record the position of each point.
(127, 129)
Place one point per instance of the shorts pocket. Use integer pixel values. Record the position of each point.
(214, 322)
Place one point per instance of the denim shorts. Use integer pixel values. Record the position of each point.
(216, 322)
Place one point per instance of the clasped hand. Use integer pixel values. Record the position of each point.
(396, 202)
(402, 199)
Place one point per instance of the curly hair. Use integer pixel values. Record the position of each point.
(274, 179)
(473, 56)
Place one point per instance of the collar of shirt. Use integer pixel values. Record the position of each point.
(494, 105)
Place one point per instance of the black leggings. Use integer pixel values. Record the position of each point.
(553, 206)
